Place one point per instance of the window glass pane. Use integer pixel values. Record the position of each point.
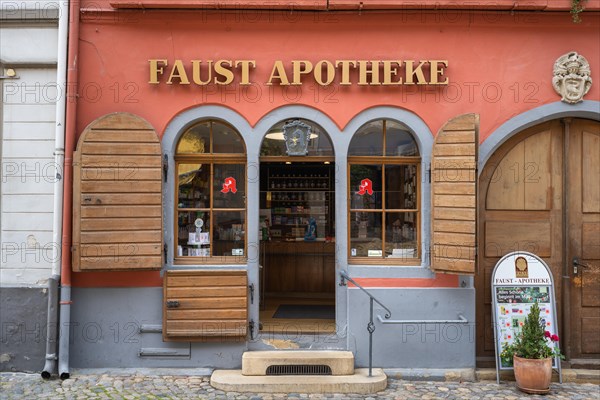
(319, 143)
(196, 140)
(368, 141)
(193, 234)
(400, 187)
(365, 187)
(273, 145)
(365, 234)
(194, 185)
(229, 186)
(229, 232)
(399, 141)
(226, 139)
(401, 235)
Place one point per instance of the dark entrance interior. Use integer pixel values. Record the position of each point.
(297, 249)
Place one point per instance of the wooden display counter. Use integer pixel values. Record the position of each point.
(302, 267)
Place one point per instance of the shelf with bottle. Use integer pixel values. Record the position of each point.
(301, 210)
(299, 182)
(298, 196)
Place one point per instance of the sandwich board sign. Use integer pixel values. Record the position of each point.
(519, 280)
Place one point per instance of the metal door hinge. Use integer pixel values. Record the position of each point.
(251, 325)
(165, 167)
(251, 287)
(429, 173)
(172, 303)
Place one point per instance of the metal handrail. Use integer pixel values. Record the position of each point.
(370, 325)
(461, 320)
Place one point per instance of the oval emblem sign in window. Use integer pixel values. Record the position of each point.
(297, 135)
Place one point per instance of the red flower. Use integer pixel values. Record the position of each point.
(547, 334)
(554, 338)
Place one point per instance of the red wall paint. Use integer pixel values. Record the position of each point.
(438, 281)
(498, 68)
(500, 65)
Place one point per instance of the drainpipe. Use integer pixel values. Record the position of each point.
(59, 155)
(567, 265)
(70, 131)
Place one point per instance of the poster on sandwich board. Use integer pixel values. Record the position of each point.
(519, 280)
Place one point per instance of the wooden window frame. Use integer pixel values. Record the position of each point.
(383, 161)
(210, 159)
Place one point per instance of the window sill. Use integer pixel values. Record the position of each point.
(390, 271)
(214, 266)
(225, 260)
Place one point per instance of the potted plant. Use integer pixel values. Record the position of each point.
(532, 353)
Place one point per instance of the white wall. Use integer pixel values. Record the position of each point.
(27, 131)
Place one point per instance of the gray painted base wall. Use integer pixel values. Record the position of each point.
(23, 313)
(414, 345)
(106, 332)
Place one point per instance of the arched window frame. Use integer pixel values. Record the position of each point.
(383, 161)
(211, 159)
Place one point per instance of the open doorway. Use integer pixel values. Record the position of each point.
(297, 232)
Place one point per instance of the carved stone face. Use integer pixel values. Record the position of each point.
(572, 78)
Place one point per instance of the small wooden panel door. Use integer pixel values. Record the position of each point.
(583, 244)
(205, 304)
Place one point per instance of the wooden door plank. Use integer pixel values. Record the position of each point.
(226, 291)
(122, 199)
(110, 236)
(121, 173)
(121, 211)
(126, 186)
(203, 281)
(120, 135)
(590, 163)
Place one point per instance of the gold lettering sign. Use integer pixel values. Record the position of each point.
(296, 72)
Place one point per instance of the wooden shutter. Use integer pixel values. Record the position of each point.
(117, 196)
(453, 196)
(205, 304)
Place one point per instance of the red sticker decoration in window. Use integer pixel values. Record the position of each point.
(366, 186)
(229, 185)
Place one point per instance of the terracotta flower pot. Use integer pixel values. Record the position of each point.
(533, 376)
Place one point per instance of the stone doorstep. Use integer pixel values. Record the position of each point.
(359, 382)
(568, 375)
(255, 363)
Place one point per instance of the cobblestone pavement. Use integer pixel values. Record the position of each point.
(32, 386)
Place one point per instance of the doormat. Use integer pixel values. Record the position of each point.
(303, 311)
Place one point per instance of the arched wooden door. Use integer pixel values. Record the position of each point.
(540, 192)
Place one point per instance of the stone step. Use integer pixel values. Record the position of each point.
(255, 363)
(359, 382)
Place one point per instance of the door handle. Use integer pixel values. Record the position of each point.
(577, 264)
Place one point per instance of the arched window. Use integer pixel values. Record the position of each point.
(211, 195)
(319, 144)
(384, 210)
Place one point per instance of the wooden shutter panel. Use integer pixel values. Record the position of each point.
(453, 196)
(202, 304)
(117, 196)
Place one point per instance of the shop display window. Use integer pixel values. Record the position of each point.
(384, 213)
(211, 195)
